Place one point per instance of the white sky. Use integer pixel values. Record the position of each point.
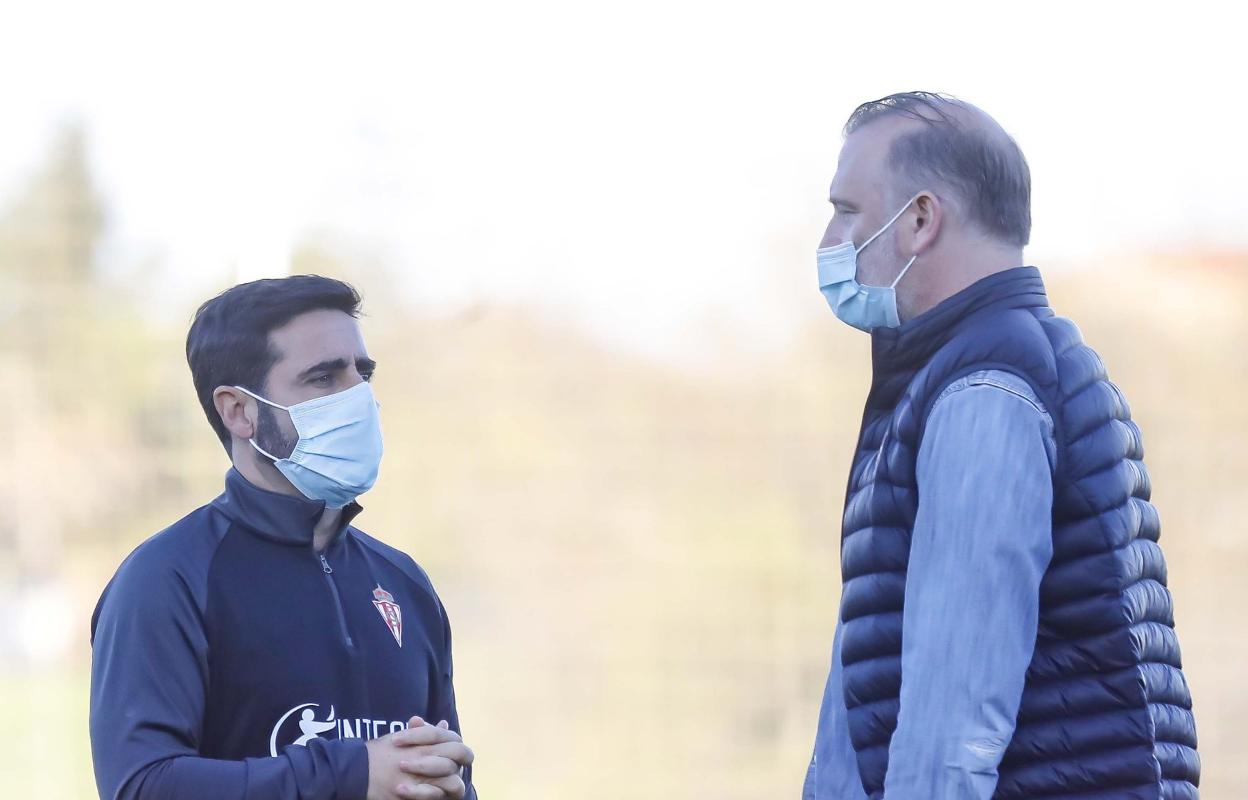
(644, 167)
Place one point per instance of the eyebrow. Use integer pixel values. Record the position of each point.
(364, 365)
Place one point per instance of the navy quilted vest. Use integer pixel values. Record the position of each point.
(1105, 712)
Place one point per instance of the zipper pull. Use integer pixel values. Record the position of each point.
(325, 567)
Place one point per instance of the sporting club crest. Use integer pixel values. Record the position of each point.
(390, 612)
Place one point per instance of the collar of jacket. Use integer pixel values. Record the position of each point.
(280, 517)
(904, 349)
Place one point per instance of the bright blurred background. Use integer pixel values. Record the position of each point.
(618, 413)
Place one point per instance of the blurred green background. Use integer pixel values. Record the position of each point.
(639, 556)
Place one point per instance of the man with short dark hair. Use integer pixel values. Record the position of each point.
(1005, 630)
(262, 647)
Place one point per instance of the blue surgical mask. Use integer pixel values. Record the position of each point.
(339, 450)
(864, 307)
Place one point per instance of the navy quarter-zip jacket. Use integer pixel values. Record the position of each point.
(231, 660)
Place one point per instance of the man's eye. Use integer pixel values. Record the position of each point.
(321, 380)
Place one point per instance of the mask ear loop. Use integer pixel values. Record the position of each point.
(262, 451)
(887, 225)
(904, 270)
(252, 440)
(261, 399)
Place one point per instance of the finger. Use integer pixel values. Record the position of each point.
(458, 752)
(444, 724)
(452, 785)
(424, 735)
(430, 766)
(420, 791)
(415, 722)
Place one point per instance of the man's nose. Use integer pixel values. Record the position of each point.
(832, 236)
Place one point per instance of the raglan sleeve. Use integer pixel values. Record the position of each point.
(149, 682)
(444, 695)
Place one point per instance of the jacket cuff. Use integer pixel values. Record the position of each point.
(350, 760)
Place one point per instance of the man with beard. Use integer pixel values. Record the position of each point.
(263, 647)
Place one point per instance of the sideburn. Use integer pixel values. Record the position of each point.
(269, 434)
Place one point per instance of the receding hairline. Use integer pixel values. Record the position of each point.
(936, 109)
(927, 140)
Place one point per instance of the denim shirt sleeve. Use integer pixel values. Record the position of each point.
(833, 770)
(982, 540)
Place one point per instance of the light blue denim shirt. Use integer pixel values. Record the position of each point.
(982, 540)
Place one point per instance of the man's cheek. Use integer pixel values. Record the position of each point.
(868, 269)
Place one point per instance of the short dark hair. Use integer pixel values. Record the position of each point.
(986, 172)
(228, 344)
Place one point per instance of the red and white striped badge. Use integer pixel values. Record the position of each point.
(390, 612)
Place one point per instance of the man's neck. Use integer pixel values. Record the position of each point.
(261, 472)
(951, 278)
(325, 528)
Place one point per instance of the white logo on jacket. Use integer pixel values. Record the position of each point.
(290, 731)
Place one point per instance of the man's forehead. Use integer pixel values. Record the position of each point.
(320, 334)
(863, 161)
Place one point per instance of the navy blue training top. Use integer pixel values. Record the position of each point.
(231, 660)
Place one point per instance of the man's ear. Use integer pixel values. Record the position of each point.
(929, 215)
(232, 407)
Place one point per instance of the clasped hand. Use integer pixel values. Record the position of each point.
(422, 762)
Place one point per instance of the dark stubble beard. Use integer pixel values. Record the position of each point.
(269, 434)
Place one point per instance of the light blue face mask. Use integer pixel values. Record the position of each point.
(339, 450)
(864, 307)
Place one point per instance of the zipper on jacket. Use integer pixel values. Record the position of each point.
(333, 589)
